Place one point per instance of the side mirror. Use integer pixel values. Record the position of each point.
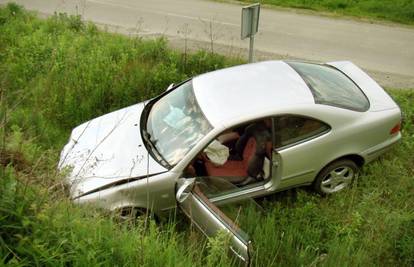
(185, 189)
(170, 87)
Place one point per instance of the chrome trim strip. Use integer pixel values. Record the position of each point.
(380, 149)
(237, 254)
(298, 174)
(116, 183)
(238, 193)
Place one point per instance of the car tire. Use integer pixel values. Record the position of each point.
(131, 214)
(336, 176)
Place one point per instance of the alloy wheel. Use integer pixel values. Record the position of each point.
(337, 179)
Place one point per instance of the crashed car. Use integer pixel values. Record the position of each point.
(246, 131)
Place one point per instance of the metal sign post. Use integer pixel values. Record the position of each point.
(250, 25)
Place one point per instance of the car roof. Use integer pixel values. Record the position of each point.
(249, 91)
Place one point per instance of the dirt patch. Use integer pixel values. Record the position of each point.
(15, 159)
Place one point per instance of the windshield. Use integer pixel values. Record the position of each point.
(175, 123)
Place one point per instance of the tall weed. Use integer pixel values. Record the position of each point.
(60, 72)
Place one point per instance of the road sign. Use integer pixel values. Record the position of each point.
(250, 25)
(250, 20)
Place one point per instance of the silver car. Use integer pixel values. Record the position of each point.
(232, 134)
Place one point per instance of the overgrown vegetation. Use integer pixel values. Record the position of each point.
(401, 11)
(59, 72)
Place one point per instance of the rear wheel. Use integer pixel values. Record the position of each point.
(336, 177)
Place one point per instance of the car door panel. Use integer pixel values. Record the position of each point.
(210, 220)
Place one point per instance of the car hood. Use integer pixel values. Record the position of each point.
(107, 150)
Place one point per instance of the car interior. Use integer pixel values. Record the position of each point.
(247, 160)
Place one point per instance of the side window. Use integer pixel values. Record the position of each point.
(291, 129)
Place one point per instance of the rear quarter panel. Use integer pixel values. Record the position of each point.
(351, 133)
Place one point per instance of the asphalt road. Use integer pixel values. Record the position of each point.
(385, 51)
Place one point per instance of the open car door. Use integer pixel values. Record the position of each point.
(210, 220)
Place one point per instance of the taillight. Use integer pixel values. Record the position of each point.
(396, 128)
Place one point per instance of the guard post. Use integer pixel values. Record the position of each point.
(250, 25)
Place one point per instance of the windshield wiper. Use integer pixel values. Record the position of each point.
(146, 136)
(154, 151)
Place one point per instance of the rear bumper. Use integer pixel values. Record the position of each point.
(374, 152)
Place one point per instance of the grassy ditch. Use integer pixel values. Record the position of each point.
(401, 11)
(59, 72)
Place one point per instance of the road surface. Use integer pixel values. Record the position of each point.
(385, 51)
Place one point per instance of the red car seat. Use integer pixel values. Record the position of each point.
(234, 168)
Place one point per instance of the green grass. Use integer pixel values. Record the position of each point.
(401, 11)
(59, 72)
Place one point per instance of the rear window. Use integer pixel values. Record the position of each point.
(329, 86)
